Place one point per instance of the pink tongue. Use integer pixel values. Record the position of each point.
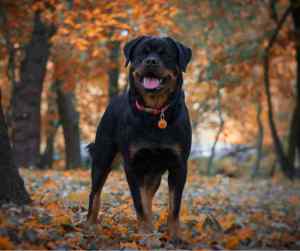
(150, 83)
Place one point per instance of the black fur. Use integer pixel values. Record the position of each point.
(147, 150)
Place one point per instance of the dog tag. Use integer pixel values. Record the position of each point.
(162, 123)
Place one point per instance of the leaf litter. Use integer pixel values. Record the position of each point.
(217, 213)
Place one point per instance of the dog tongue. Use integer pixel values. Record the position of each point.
(151, 83)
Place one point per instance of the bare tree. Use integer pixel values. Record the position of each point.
(70, 122)
(287, 167)
(294, 137)
(26, 94)
(114, 71)
(221, 126)
(12, 187)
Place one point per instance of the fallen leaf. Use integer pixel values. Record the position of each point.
(245, 233)
(130, 245)
(5, 243)
(227, 221)
(294, 200)
(231, 242)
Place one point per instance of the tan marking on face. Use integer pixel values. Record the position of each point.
(155, 100)
(136, 76)
(172, 83)
(160, 98)
(95, 209)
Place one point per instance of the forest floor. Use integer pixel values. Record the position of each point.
(217, 213)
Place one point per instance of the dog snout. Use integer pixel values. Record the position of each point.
(151, 62)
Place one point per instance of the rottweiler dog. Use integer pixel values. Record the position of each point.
(149, 125)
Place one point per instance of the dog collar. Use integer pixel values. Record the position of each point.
(162, 123)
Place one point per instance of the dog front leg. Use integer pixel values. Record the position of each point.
(176, 182)
(141, 201)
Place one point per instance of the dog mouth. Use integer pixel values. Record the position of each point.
(152, 83)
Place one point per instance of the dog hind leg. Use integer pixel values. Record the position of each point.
(102, 158)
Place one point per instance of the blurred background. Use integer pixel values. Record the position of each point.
(61, 61)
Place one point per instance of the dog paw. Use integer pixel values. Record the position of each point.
(150, 241)
(145, 228)
(177, 242)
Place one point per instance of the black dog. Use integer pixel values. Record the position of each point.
(150, 126)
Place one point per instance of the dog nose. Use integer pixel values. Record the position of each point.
(151, 61)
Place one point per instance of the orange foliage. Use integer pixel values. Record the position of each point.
(80, 56)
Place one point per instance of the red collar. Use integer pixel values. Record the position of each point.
(151, 110)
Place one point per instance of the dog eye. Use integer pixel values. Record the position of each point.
(146, 50)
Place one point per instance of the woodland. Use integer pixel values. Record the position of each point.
(61, 61)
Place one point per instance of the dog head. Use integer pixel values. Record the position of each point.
(156, 64)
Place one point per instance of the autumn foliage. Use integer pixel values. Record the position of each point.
(218, 212)
(224, 92)
(80, 53)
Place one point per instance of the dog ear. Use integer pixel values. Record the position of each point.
(129, 48)
(184, 54)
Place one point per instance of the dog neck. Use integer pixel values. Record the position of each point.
(154, 101)
(138, 103)
(159, 118)
(154, 111)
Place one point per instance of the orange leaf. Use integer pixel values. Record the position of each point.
(5, 243)
(231, 242)
(227, 221)
(50, 184)
(245, 233)
(129, 245)
(294, 200)
(62, 219)
(53, 207)
(258, 216)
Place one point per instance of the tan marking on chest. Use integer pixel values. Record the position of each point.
(135, 148)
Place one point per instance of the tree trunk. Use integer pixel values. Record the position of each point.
(11, 64)
(12, 187)
(286, 166)
(46, 160)
(221, 127)
(26, 117)
(294, 137)
(114, 71)
(70, 121)
(260, 137)
(260, 126)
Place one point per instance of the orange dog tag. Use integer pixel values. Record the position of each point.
(162, 123)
